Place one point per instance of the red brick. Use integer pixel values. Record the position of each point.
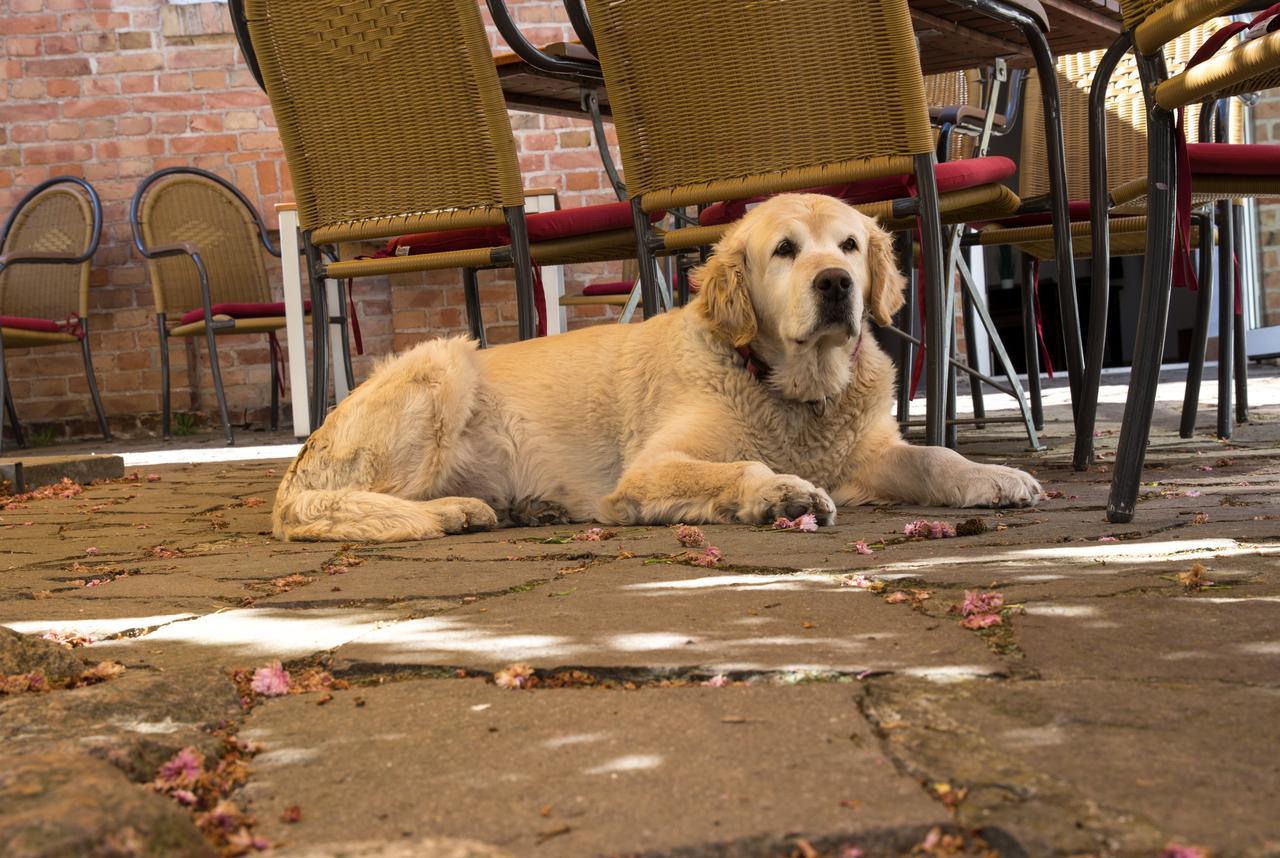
(133, 62)
(59, 44)
(64, 131)
(61, 153)
(29, 88)
(207, 143)
(15, 24)
(22, 46)
(133, 125)
(201, 58)
(259, 140)
(63, 88)
(137, 83)
(100, 86)
(27, 133)
(166, 103)
(68, 67)
(209, 79)
(134, 41)
(222, 100)
(206, 122)
(95, 107)
(171, 124)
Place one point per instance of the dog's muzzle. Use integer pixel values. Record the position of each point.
(835, 295)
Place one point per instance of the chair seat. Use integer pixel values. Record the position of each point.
(618, 287)
(543, 227)
(240, 311)
(1234, 159)
(951, 176)
(23, 323)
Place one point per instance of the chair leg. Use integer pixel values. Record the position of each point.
(1199, 333)
(1153, 316)
(274, 346)
(165, 382)
(1242, 342)
(346, 334)
(7, 396)
(1031, 344)
(475, 318)
(525, 311)
(971, 355)
(93, 383)
(934, 301)
(951, 432)
(319, 334)
(217, 383)
(1226, 315)
(1100, 252)
(645, 260)
(906, 322)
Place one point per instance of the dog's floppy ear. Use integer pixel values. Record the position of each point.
(887, 282)
(723, 297)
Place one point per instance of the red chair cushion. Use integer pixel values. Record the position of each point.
(951, 176)
(1234, 159)
(543, 226)
(240, 311)
(22, 323)
(620, 287)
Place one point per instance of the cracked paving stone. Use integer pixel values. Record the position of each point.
(461, 758)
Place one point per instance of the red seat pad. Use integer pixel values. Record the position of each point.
(1234, 159)
(619, 287)
(240, 311)
(951, 176)
(22, 323)
(543, 226)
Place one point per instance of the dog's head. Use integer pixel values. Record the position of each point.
(796, 279)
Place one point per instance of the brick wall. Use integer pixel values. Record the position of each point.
(112, 90)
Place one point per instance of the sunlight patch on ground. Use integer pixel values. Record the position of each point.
(205, 455)
(276, 633)
(629, 763)
(96, 629)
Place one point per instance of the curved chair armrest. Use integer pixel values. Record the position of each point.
(1227, 73)
(540, 60)
(1175, 19)
(37, 257)
(578, 17)
(186, 248)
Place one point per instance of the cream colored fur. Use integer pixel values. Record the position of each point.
(647, 423)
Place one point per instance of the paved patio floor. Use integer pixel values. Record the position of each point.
(797, 698)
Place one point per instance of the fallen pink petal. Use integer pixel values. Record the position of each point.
(979, 602)
(981, 621)
(860, 546)
(182, 769)
(923, 529)
(271, 680)
(689, 536)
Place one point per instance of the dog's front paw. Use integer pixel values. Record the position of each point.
(996, 486)
(462, 515)
(784, 495)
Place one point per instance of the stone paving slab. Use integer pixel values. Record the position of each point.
(563, 772)
(1112, 713)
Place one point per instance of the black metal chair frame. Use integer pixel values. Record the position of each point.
(1157, 285)
(211, 324)
(7, 261)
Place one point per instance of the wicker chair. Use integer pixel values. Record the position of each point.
(1126, 178)
(856, 118)
(393, 123)
(45, 255)
(200, 237)
(1150, 25)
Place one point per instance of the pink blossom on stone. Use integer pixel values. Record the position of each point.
(153, 478)
(807, 523)
(690, 536)
(1179, 850)
(271, 681)
(710, 557)
(515, 676)
(595, 534)
(851, 852)
(1107, 539)
(183, 768)
(861, 547)
(922, 529)
(184, 796)
(862, 582)
(1204, 467)
(981, 621)
(978, 602)
(717, 681)
(91, 551)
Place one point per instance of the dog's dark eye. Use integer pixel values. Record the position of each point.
(786, 247)
(849, 245)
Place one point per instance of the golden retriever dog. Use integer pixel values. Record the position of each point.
(766, 396)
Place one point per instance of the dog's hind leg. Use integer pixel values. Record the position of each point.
(358, 516)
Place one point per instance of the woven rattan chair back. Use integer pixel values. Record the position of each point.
(390, 112)
(842, 97)
(1135, 12)
(57, 220)
(1126, 118)
(950, 89)
(187, 207)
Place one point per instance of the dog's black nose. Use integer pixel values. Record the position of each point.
(833, 284)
